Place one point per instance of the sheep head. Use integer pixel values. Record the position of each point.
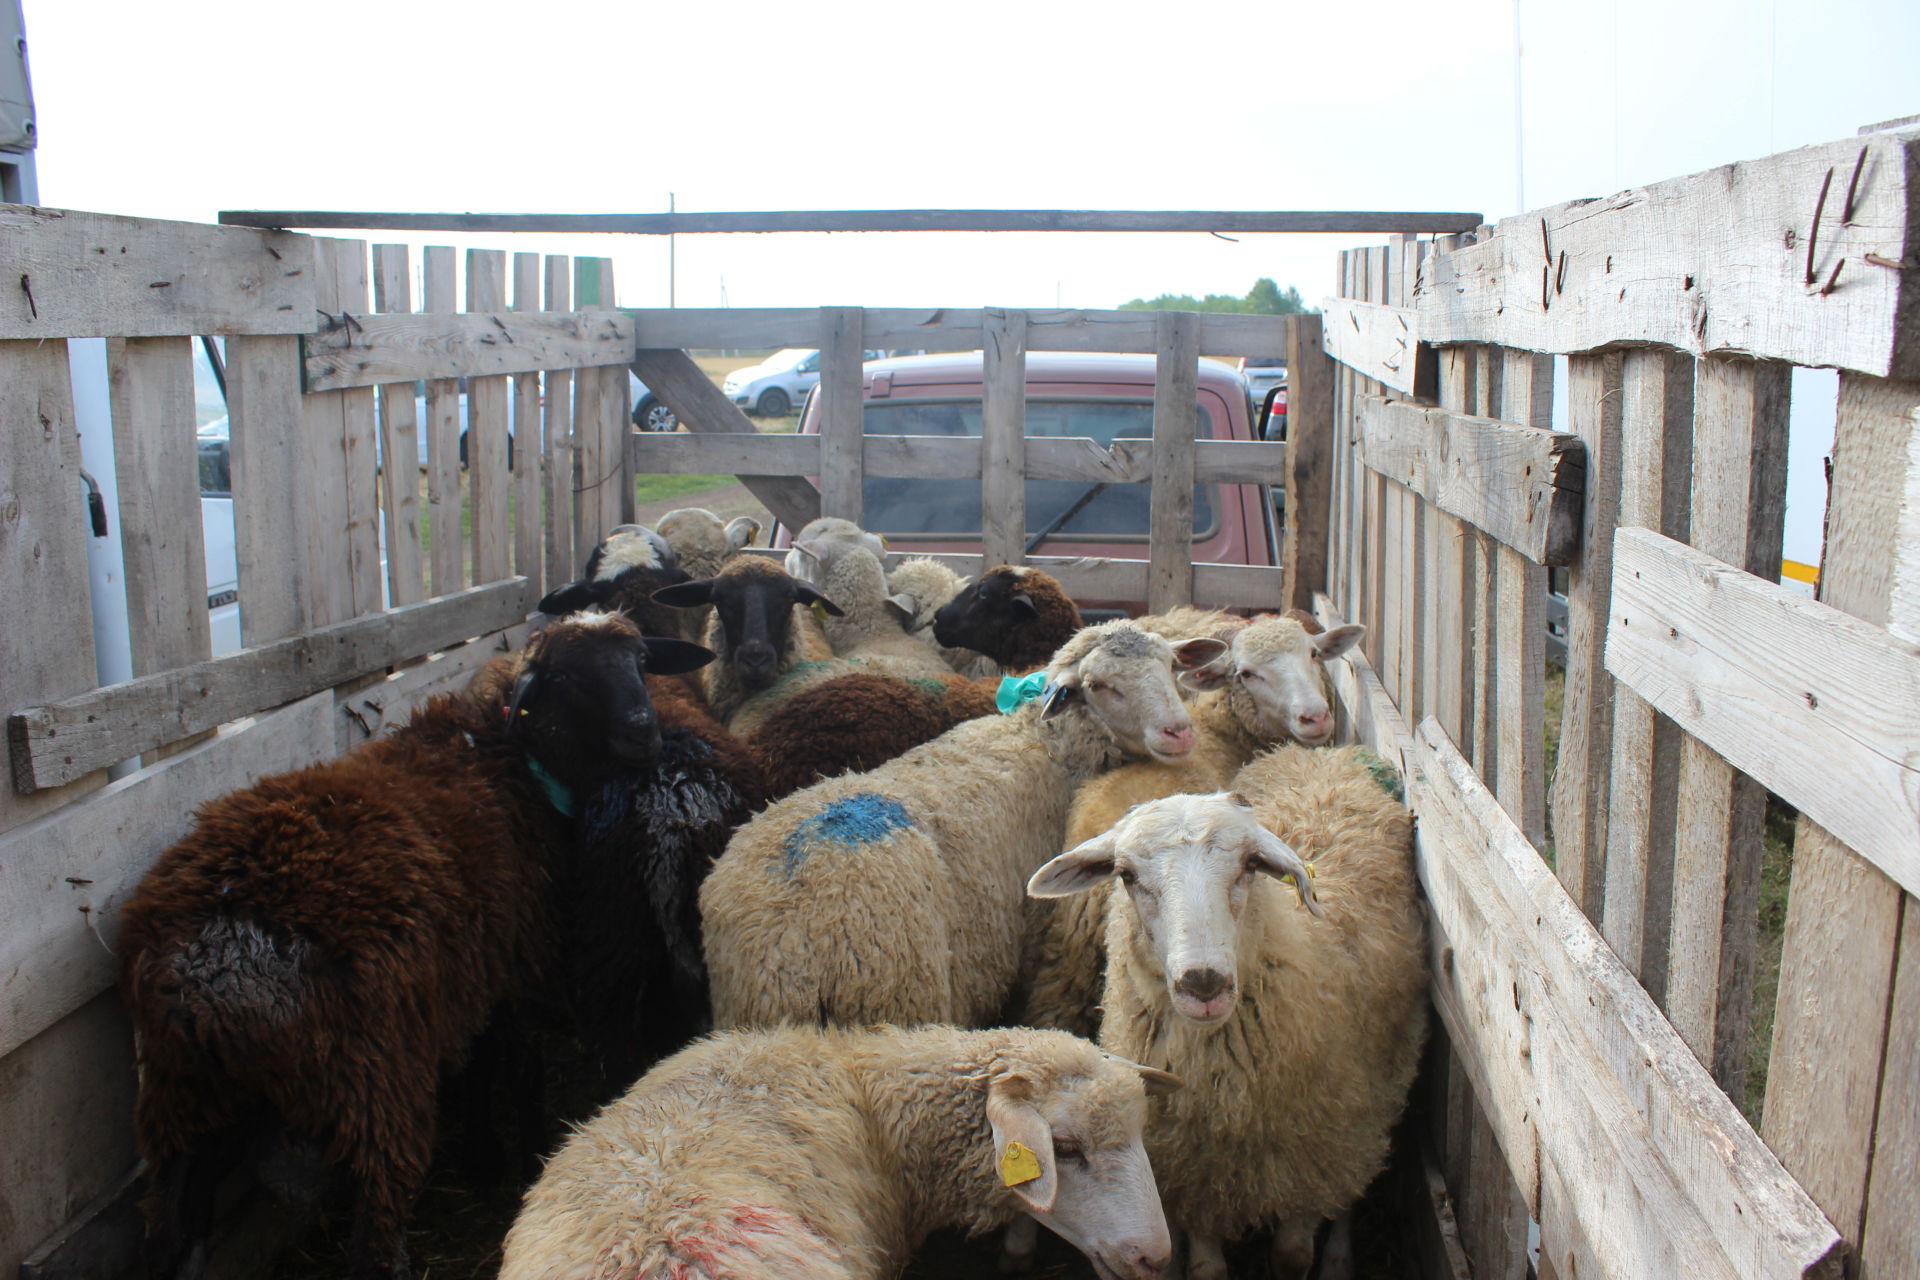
(702, 541)
(1015, 615)
(1124, 677)
(1187, 864)
(754, 600)
(1274, 679)
(629, 563)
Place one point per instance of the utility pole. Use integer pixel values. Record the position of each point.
(670, 262)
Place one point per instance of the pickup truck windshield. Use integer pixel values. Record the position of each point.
(1063, 509)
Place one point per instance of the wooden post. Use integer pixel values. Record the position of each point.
(525, 454)
(487, 430)
(1739, 507)
(557, 440)
(1003, 438)
(1451, 642)
(842, 430)
(360, 453)
(1175, 379)
(399, 440)
(1304, 542)
(444, 498)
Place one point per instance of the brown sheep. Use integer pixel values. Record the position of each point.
(854, 723)
(1017, 616)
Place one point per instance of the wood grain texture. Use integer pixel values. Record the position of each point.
(366, 350)
(1451, 650)
(399, 441)
(1309, 478)
(1170, 518)
(371, 710)
(557, 440)
(95, 275)
(445, 499)
(525, 480)
(487, 415)
(64, 877)
(60, 740)
(1003, 437)
(1729, 261)
(1379, 342)
(1520, 626)
(269, 472)
(842, 414)
(592, 469)
(321, 442)
(1523, 485)
(359, 450)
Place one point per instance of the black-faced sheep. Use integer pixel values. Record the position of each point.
(325, 942)
(702, 544)
(803, 1154)
(804, 913)
(760, 627)
(623, 572)
(1307, 1025)
(920, 588)
(1015, 615)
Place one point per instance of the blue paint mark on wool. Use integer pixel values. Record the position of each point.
(855, 820)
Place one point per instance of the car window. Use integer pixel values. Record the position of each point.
(1066, 509)
(811, 364)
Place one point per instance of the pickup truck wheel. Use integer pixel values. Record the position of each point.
(774, 403)
(651, 415)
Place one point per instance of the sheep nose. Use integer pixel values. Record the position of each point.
(1314, 721)
(1203, 984)
(1151, 1264)
(1178, 740)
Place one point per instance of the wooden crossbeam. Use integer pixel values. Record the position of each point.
(951, 329)
(367, 350)
(1382, 343)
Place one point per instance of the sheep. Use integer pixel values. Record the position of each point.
(810, 1154)
(1015, 615)
(869, 625)
(623, 571)
(921, 587)
(755, 628)
(702, 542)
(855, 723)
(823, 533)
(802, 914)
(1306, 1024)
(1270, 687)
(324, 942)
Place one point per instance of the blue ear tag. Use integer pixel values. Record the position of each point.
(1016, 691)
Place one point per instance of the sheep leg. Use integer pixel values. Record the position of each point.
(1336, 1256)
(180, 1210)
(1292, 1255)
(1205, 1258)
(1017, 1246)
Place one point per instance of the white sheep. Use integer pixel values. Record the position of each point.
(1269, 687)
(920, 587)
(895, 895)
(702, 542)
(1300, 1029)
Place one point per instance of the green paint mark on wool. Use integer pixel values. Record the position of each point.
(936, 692)
(1383, 773)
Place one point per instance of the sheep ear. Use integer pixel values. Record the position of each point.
(903, 606)
(1085, 866)
(1276, 858)
(1308, 623)
(686, 595)
(516, 701)
(1200, 679)
(742, 531)
(668, 657)
(807, 595)
(571, 598)
(1022, 606)
(1198, 652)
(1022, 1142)
(807, 548)
(1331, 644)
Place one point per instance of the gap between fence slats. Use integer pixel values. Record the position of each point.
(1003, 437)
(399, 440)
(557, 443)
(487, 438)
(445, 500)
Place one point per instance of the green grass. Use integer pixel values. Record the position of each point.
(1776, 874)
(655, 488)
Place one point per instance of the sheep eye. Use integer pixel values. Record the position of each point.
(1127, 876)
(1250, 675)
(1068, 1149)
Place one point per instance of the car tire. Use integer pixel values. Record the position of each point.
(463, 451)
(651, 415)
(774, 403)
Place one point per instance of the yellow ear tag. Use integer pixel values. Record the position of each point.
(819, 610)
(1018, 1164)
(1311, 876)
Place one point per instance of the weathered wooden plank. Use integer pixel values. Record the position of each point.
(590, 466)
(1520, 627)
(366, 350)
(1890, 1245)
(1451, 645)
(399, 441)
(150, 384)
(1003, 437)
(526, 453)
(1656, 465)
(1523, 485)
(557, 439)
(1794, 257)
(487, 411)
(95, 275)
(1586, 720)
(842, 348)
(1227, 221)
(1305, 548)
(360, 453)
(1685, 1175)
(63, 739)
(1170, 518)
(445, 498)
(703, 408)
(64, 877)
(1379, 342)
(367, 712)
(616, 495)
(269, 472)
(1739, 505)
(323, 489)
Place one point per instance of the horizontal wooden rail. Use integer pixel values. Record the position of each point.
(368, 350)
(951, 329)
(1821, 708)
(664, 224)
(1382, 343)
(1523, 485)
(65, 740)
(1803, 256)
(94, 275)
(951, 457)
(63, 877)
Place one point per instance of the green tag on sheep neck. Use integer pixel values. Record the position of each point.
(559, 795)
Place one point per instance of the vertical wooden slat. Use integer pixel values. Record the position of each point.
(1526, 397)
(1374, 486)
(1003, 431)
(615, 493)
(526, 453)
(323, 488)
(157, 465)
(1340, 567)
(557, 439)
(269, 469)
(447, 540)
(1656, 468)
(1739, 505)
(842, 438)
(1176, 376)
(359, 425)
(1451, 643)
(589, 465)
(1306, 548)
(1579, 782)
(487, 430)
(1841, 1076)
(1486, 744)
(399, 440)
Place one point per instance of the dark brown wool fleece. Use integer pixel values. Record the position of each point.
(859, 722)
(1021, 645)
